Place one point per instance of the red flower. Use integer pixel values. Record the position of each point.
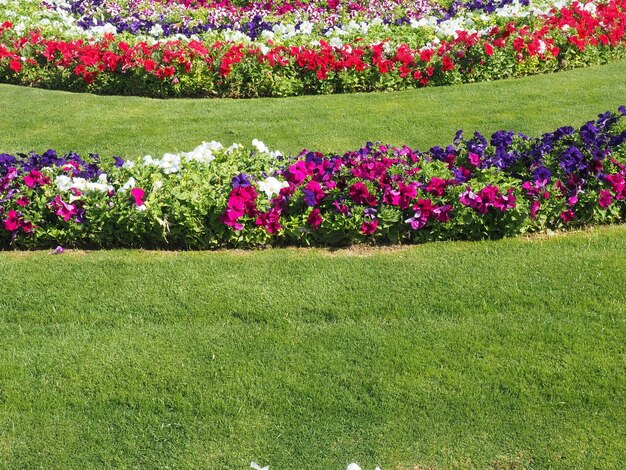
(15, 65)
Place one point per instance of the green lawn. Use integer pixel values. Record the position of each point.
(508, 354)
(33, 119)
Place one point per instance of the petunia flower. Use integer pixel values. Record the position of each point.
(315, 219)
(138, 195)
(368, 228)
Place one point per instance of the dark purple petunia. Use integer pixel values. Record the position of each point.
(241, 181)
(542, 175)
(572, 160)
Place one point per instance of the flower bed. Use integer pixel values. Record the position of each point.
(245, 197)
(328, 51)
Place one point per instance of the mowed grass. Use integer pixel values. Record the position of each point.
(506, 354)
(33, 119)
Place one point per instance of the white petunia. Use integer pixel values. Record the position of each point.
(272, 186)
(256, 466)
(131, 183)
(336, 42)
(156, 30)
(260, 146)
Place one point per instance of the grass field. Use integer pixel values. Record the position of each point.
(506, 354)
(34, 119)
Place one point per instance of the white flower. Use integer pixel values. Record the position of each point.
(272, 186)
(257, 467)
(157, 185)
(232, 148)
(128, 164)
(260, 146)
(63, 182)
(354, 466)
(156, 30)
(336, 42)
(131, 183)
(203, 153)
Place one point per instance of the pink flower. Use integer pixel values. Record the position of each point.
(567, 216)
(35, 178)
(402, 196)
(22, 201)
(534, 208)
(63, 209)
(505, 202)
(361, 195)
(270, 220)
(606, 198)
(138, 194)
(369, 228)
(12, 223)
(315, 219)
(436, 186)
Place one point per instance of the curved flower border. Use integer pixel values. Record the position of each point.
(239, 196)
(565, 38)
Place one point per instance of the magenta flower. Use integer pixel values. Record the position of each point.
(22, 201)
(442, 213)
(138, 195)
(270, 220)
(567, 216)
(474, 159)
(401, 197)
(606, 198)
(35, 178)
(368, 228)
(534, 208)
(436, 186)
(12, 223)
(505, 202)
(315, 219)
(63, 209)
(361, 195)
(313, 193)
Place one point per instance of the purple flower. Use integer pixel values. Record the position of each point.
(370, 212)
(241, 181)
(57, 251)
(542, 175)
(572, 160)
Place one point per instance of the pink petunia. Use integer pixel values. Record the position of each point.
(138, 195)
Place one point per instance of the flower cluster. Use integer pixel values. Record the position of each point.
(241, 196)
(432, 51)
